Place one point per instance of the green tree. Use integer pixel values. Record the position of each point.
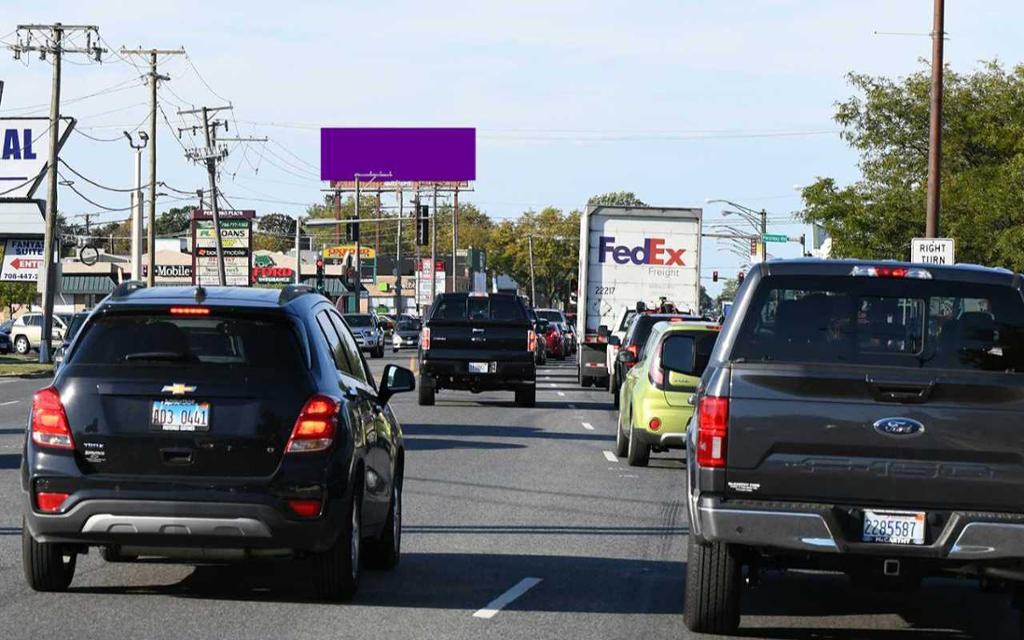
(982, 163)
(16, 293)
(617, 199)
(728, 293)
(274, 232)
(174, 221)
(708, 306)
(555, 252)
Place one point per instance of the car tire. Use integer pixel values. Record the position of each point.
(586, 381)
(46, 568)
(378, 352)
(425, 391)
(22, 346)
(621, 443)
(386, 551)
(336, 570)
(637, 453)
(713, 585)
(615, 388)
(526, 395)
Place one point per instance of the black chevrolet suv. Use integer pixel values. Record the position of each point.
(478, 342)
(214, 423)
(862, 417)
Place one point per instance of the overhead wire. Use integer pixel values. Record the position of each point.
(97, 184)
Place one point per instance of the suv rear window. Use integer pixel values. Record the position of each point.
(494, 308)
(134, 340)
(883, 321)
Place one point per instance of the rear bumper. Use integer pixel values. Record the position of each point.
(454, 374)
(674, 420)
(959, 537)
(179, 524)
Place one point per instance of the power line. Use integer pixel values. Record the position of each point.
(206, 84)
(97, 184)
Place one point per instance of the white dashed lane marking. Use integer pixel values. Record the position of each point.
(502, 601)
(610, 457)
(588, 426)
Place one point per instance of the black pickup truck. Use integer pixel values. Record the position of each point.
(478, 342)
(863, 418)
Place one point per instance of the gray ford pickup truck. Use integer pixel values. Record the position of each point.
(862, 417)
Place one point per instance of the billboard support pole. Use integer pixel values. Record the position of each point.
(398, 261)
(419, 265)
(433, 251)
(359, 266)
(298, 249)
(455, 236)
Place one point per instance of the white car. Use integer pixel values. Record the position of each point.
(27, 331)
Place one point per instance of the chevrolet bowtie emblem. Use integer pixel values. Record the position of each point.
(178, 389)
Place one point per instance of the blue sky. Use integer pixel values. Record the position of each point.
(678, 101)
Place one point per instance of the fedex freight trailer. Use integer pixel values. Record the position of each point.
(630, 255)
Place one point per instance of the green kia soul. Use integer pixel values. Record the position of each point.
(655, 398)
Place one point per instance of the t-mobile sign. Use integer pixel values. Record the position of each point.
(392, 154)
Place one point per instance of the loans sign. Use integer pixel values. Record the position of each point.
(933, 251)
(236, 244)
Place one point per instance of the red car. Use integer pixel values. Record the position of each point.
(555, 342)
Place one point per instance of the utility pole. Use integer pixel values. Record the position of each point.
(935, 125)
(419, 263)
(359, 266)
(764, 231)
(137, 206)
(50, 39)
(154, 77)
(533, 287)
(298, 249)
(210, 156)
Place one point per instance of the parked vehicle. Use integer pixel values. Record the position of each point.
(406, 335)
(5, 343)
(368, 332)
(213, 424)
(860, 417)
(630, 255)
(27, 330)
(656, 399)
(628, 350)
(5, 326)
(478, 342)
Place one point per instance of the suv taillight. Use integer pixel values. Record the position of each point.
(657, 374)
(49, 422)
(425, 339)
(315, 427)
(712, 431)
(531, 341)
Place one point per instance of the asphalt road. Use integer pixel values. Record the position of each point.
(495, 496)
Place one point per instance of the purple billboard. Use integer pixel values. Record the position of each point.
(428, 155)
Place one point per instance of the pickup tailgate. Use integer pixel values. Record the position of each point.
(454, 340)
(799, 431)
(879, 391)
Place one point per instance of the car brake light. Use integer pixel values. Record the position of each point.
(654, 424)
(656, 374)
(49, 422)
(712, 429)
(531, 340)
(190, 311)
(425, 338)
(305, 508)
(50, 502)
(635, 350)
(891, 272)
(314, 428)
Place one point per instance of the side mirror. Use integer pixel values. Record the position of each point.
(614, 341)
(679, 355)
(626, 357)
(395, 380)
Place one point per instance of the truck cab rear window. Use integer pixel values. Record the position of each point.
(887, 322)
(494, 308)
(134, 340)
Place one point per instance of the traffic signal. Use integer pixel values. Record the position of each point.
(423, 226)
(714, 276)
(352, 229)
(739, 276)
(320, 274)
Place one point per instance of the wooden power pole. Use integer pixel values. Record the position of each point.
(935, 125)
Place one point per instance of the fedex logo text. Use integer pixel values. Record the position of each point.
(653, 251)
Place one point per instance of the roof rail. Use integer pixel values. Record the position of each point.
(293, 291)
(126, 288)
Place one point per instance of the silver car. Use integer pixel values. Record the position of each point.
(368, 332)
(406, 335)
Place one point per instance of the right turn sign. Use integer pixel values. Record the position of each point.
(933, 251)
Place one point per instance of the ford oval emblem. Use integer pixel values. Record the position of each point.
(899, 427)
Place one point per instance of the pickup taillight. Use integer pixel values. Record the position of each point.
(712, 431)
(425, 339)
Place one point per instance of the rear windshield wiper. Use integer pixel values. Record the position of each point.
(156, 355)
